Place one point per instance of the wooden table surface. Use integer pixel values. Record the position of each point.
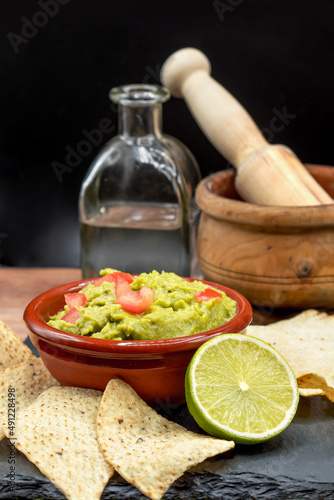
(18, 286)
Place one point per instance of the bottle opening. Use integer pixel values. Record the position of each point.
(135, 94)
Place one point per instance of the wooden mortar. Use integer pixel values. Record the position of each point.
(277, 257)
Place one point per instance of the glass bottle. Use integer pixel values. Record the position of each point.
(136, 206)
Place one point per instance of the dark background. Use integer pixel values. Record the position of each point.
(272, 55)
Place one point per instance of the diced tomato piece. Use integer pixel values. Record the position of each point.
(207, 294)
(136, 302)
(106, 277)
(123, 277)
(121, 288)
(113, 277)
(75, 299)
(71, 316)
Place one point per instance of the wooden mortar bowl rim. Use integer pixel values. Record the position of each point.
(211, 200)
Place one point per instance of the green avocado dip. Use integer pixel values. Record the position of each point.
(174, 311)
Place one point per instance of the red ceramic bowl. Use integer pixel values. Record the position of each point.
(154, 368)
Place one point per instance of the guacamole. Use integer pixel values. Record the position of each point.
(174, 311)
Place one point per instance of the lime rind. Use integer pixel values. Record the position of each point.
(242, 415)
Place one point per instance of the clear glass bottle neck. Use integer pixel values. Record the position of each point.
(140, 121)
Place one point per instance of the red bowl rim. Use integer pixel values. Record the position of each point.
(33, 319)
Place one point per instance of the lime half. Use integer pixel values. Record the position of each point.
(240, 388)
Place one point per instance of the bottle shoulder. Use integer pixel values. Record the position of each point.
(135, 167)
(184, 154)
(165, 149)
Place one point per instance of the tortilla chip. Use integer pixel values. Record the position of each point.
(12, 350)
(309, 392)
(306, 341)
(57, 433)
(19, 386)
(148, 450)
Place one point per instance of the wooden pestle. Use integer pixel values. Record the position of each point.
(266, 174)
